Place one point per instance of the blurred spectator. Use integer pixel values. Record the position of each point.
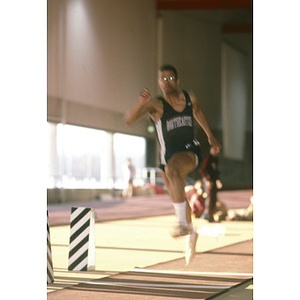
(211, 179)
(129, 174)
(196, 198)
(220, 212)
(242, 215)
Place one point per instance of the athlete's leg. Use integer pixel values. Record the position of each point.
(174, 196)
(182, 209)
(178, 167)
(167, 183)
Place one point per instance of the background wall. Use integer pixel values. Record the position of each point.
(192, 42)
(193, 46)
(102, 53)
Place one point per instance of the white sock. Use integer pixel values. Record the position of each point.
(180, 212)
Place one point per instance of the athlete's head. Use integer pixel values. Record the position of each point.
(168, 79)
(167, 67)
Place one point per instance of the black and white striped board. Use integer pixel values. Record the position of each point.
(50, 274)
(82, 239)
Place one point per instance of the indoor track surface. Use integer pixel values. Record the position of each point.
(137, 259)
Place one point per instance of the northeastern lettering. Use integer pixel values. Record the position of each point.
(179, 122)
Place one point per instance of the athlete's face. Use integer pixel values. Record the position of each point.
(167, 81)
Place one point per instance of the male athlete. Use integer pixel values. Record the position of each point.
(173, 115)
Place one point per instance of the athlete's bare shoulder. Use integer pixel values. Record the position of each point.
(192, 95)
(194, 101)
(193, 98)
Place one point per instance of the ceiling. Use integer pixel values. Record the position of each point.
(233, 15)
(203, 4)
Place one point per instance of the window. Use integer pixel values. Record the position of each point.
(128, 146)
(82, 157)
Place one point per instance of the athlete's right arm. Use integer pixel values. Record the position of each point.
(144, 105)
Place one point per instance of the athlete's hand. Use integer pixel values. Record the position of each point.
(215, 144)
(144, 96)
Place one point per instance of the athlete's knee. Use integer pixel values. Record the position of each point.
(172, 171)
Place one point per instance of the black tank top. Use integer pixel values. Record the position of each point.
(175, 130)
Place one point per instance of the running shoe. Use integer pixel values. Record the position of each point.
(190, 250)
(180, 230)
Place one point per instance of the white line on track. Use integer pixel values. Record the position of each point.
(138, 270)
(158, 285)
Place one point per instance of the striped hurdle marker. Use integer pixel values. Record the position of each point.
(82, 239)
(50, 275)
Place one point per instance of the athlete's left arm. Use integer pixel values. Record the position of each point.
(200, 117)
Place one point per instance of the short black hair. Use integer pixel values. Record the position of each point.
(167, 67)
